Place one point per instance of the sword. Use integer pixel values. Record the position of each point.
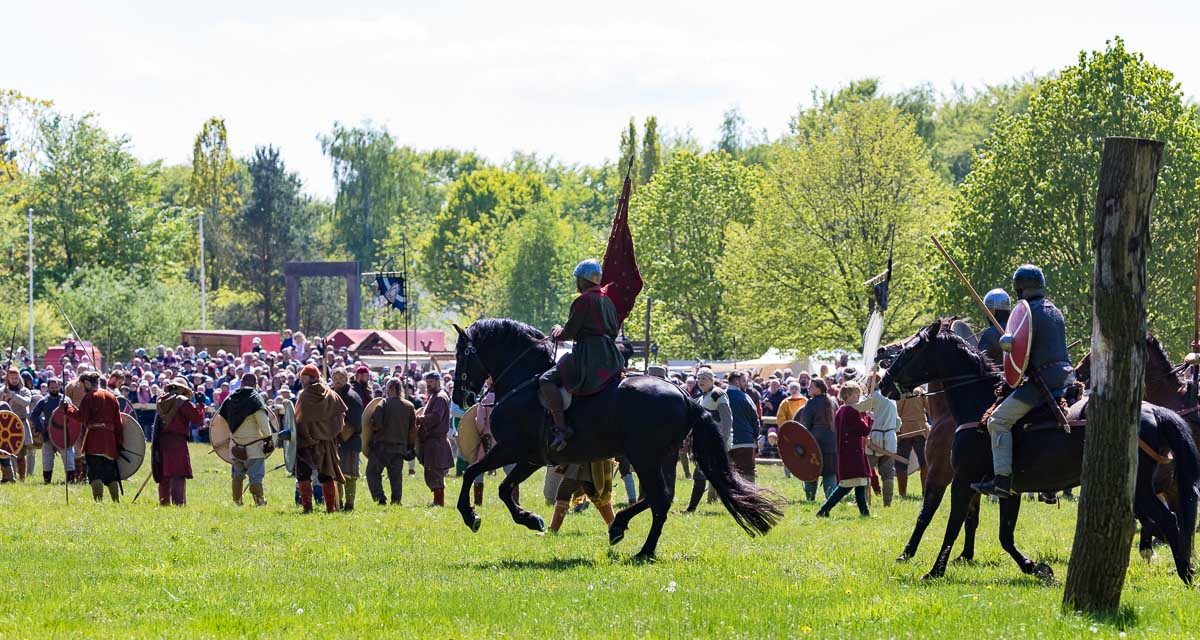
(1033, 377)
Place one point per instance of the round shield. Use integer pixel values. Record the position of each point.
(1020, 327)
(468, 435)
(74, 429)
(221, 438)
(800, 452)
(133, 447)
(368, 429)
(12, 434)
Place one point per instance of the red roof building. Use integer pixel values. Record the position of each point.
(421, 340)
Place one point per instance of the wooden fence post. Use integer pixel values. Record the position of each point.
(1121, 240)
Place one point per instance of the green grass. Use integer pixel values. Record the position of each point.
(214, 569)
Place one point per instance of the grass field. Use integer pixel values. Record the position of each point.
(214, 569)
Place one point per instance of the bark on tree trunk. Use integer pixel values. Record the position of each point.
(1121, 241)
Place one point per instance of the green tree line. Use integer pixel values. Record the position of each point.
(748, 243)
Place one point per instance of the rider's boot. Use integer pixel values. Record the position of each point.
(552, 398)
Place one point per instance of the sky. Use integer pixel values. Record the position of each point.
(560, 79)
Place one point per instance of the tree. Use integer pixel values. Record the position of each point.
(651, 152)
(381, 186)
(832, 203)
(121, 310)
(532, 269)
(627, 162)
(458, 250)
(678, 222)
(732, 139)
(214, 190)
(1028, 197)
(965, 122)
(95, 205)
(274, 229)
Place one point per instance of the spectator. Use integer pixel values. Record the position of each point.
(853, 470)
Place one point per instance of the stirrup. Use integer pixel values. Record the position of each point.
(990, 488)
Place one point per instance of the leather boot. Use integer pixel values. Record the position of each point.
(351, 491)
(114, 491)
(606, 512)
(554, 403)
(439, 497)
(306, 495)
(560, 512)
(478, 494)
(330, 490)
(46, 476)
(237, 490)
(256, 490)
(97, 491)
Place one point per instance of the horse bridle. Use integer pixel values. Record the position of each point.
(472, 352)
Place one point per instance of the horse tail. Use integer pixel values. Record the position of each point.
(755, 509)
(1187, 475)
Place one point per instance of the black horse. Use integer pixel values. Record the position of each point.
(1045, 458)
(643, 418)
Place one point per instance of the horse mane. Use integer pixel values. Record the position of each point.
(981, 361)
(1157, 351)
(505, 330)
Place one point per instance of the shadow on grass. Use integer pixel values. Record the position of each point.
(553, 564)
(1123, 619)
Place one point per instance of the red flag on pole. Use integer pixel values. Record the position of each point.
(622, 281)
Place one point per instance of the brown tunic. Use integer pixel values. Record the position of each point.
(393, 421)
(320, 415)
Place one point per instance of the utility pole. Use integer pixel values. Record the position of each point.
(203, 282)
(32, 358)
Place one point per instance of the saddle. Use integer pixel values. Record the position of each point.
(1039, 418)
(568, 397)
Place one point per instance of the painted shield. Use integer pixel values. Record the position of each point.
(368, 429)
(800, 452)
(468, 435)
(133, 447)
(221, 438)
(12, 434)
(1020, 327)
(74, 429)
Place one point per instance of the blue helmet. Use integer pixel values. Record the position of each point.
(1029, 282)
(589, 270)
(997, 300)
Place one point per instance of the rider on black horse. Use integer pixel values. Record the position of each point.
(998, 302)
(594, 361)
(1047, 360)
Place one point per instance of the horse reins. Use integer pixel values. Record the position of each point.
(473, 352)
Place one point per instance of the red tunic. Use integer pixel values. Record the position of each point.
(172, 440)
(851, 429)
(101, 417)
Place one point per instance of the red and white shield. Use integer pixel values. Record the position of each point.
(1020, 327)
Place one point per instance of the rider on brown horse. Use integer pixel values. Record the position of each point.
(594, 360)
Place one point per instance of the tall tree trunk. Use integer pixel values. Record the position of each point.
(1104, 529)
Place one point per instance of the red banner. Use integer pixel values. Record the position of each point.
(622, 281)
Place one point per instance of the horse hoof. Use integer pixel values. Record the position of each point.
(902, 558)
(475, 523)
(964, 560)
(537, 524)
(643, 558)
(931, 576)
(1148, 554)
(1044, 573)
(615, 537)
